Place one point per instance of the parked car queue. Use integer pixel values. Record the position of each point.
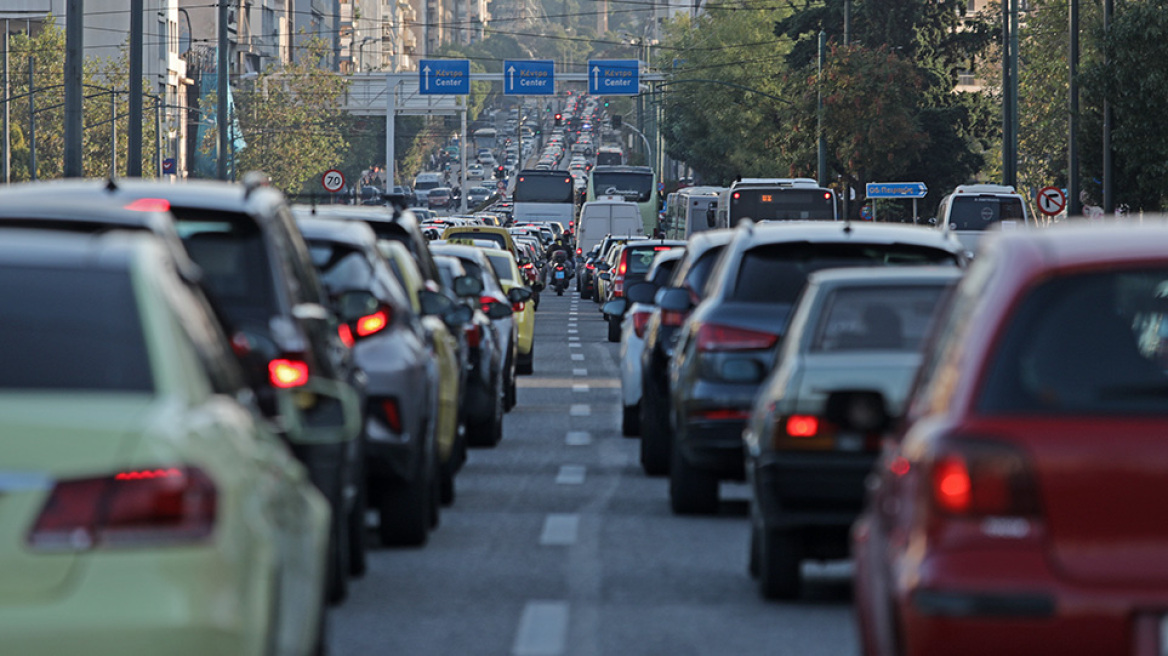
(980, 441)
(204, 390)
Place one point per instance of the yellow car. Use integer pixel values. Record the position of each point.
(468, 234)
(512, 281)
(450, 372)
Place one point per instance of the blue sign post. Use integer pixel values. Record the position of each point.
(534, 77)
(444, 77)
(896, 190)
(614, 77)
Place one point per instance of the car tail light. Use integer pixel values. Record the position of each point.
(802, 426)
(518, 307)
(485, 303)
(285, 373)
(373, 323)
(579, 251)
(474, 335)
(590, 266)
(977, 478)
(672, 318)
(392, 414)
(149, 205)
(713, 337)
(640, 321)
(719, 414)
(346, 335)
(132, 508)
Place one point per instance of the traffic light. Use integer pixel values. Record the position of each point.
(559, 120)
(500, 173)
(617, 121)
(606, 104)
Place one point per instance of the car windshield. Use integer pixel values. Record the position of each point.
(777, 272)
(71, 329)
(893, 318)
(981, 212)
(1088, 344)
(633, 186)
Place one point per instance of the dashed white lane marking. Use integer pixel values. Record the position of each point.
(579, 357)
(571, 475)
(578, 438)
(574, 345)
(543, 629)
(573, 331)
(560, 530)
(579, 372)
(580, 410)
(573, 338)
(580, 388)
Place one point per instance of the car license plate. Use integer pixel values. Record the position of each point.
(849, 442)
(559, 274)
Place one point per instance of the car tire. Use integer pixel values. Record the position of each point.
(614, 329)
(692, 491)
(583, 292)
(405, 511)
(525, 366)
(631, 420)
(655, 440)
(442, 488)
(358, 548)
(338, 571)
(778, 564)
(511, 395)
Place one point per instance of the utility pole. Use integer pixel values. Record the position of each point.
(7, 160)
(32, 163)
(221, 109)
(1108, 172)
(74, 50)
(1009, 139)
(821, 169)
(113, 134)
(134, 133)
(1074, 205)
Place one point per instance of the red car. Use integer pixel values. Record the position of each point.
(1021, 505)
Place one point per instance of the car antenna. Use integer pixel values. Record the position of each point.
(111, 185)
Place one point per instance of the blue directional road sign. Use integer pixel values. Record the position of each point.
(530, 77)
(614, 77)
(896, 190)
(444, 77)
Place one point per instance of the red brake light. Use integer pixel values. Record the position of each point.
(132, 508)
(579, 251)
(662, 248)
(149, 205)
(717, 414)
(826, 195)
(802, 426)
(285, 373)
(982, 478)
(737, 195)
(712, 337)
(951, 485)
(474, 335)
(392, 414)
(518, 307)
(372, 323)
(672, 318)
(346, 335)
(640, 321)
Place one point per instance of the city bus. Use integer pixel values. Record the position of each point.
(610, 156)
(544, 196)
(775, 199)
(484, 138)
(636, 184)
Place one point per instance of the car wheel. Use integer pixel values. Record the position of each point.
(511, 393)
(358, 561)
(778, 564)
(437, 489)
(489, 432)
(631, 420)
(655, 439)
(525, 366)
(338, 572)
(405, 511)
(583, 292)
(446, 489)
(614, 329)
(692, 491)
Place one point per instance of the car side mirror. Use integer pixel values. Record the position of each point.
(615, 307)
(434, 303)
(641, 292)
(674, 299)
(468, 286)
(458, 316)
(860, 411)
(496, 310)
(353, 305)
(519, 295)
(605, 276)
(537, 286)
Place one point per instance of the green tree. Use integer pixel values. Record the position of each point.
(292, 122)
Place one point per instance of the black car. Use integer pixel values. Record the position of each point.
(633, 263)
(256, 271)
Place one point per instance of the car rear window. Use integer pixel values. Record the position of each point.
(493, 237)
(503, 267)
(1088, 344)
(71, 329)
(640, 258)
(700, 272)
(872, 318)
(340, 266)
(981, 212)
(776, 273)
(237, 272)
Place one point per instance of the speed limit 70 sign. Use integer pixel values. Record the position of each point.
(332, 180)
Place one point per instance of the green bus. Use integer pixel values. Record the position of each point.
(637, 184)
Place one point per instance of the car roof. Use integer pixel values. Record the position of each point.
(355, 233)
(111, 251)
(205, 194)
(864, 276)
(837, 231)
(1081, 244)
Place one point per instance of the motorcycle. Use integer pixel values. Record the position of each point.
(560, 279)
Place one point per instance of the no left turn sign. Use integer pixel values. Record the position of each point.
(1051, 200)
(332, 180)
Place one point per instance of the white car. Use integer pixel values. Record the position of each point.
(475, 171)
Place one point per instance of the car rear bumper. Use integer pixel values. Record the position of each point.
(796, 490)
(714, 446)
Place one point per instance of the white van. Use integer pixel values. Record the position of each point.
(423, 183)
(972, 209)
(607, 216)
(690, 210)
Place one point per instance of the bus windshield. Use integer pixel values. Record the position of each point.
(781, 204)
(635, 187)
(544, 187)
(609, 158)
(980, 212)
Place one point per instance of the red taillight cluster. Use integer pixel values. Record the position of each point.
(474, 335)
(713, 337)
(346, 335)
(373, 323)
(640, 321)
(672, 318)
(285, 373)
(982, 479)
(392, 414)
(802, 425)
(518, 307)
(164, 505)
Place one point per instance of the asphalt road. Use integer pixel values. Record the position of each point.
(558, 544)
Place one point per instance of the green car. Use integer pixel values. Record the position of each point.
(145, 506)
